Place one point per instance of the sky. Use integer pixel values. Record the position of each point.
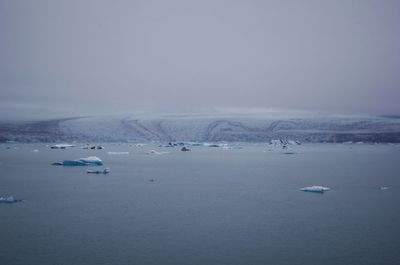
(101, 56)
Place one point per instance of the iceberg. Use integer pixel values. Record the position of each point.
(61, 146)
(155, 152)
(8, 199)
(118, 153)
(93, 147)
(319, 189)
(88, 161)
(92, 171)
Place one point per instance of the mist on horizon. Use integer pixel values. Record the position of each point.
(61, 58)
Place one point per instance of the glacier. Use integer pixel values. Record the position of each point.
(274, 128)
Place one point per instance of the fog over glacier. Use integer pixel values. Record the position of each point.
(68, 58)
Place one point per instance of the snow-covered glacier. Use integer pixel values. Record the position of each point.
(207, 127)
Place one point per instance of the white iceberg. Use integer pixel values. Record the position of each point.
(154, 152)
(319, 189)
(139, 145)
(61, 146)
(118, 153)
(92, 171)
(8, 199)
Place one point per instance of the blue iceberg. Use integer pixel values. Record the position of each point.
(88, 161)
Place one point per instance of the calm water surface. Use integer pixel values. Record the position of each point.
(207, 206)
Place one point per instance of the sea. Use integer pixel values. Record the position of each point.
(237, 204)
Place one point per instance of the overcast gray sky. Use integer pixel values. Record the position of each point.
(115, 56)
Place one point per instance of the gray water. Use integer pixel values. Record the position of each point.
(207, 206)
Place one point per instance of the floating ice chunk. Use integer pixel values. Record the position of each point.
(214, 145)
(8, 199)
(92, 160)
(35, 150)
(384, 188)
(104, 171)
(61, 146)
(71, 163)
(319, 189)
(194, 144)
(93, 147)
(88, 161)
(154, 152)
(118, 153)
(232, 147)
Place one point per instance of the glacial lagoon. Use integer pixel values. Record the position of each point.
(207, 206)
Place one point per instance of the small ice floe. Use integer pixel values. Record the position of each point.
(214, 145)
(35, 150)
(118, 153)
(194, 144)
(319, 189)
(185, 149)
(232, 147)
(384, 188)
(61, 146)
(14, 147)
(170, 144)
(88, 161)
(8, 199)
(104, 171)
(97, 147)
(154, 152)
(93, 147)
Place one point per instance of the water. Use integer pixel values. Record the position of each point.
(208, 206)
